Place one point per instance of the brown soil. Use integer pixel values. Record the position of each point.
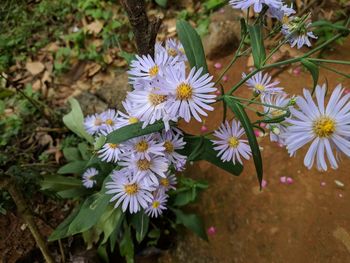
(301, 222)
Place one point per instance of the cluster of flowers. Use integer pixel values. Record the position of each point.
(161, 92)
(294, 29)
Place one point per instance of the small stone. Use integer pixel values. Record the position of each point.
(339, 183)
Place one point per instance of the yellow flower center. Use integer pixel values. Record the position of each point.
(141, 146)
(233, 142)
(260, 87)
(184, 91)
(153, 71)
(133, 120)
(172, 52)
(98, 122)
(109, 122)
(131, 189)
(113, 145)
(156, 99)
(143, 164)
(169, 146)
(155, 204)
(324, 127)
(164, 182)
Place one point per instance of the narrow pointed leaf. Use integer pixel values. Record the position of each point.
(257, 42)
(192, 44)
(313, 69)
(240, 113)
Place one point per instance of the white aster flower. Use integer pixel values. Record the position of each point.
(88, 176)
(128, 118)
(128, 192)
(110, 152)
(167, 183)
(146, 170)
(191, 95)
(173, 142)
(147, 68)
(327, 128)
(282, 13)
(297, 35)
(158, 205)
(277, 130)
(261, 84)
(258, 4)
(144, 147)
(175, 49)
(150, 104)
(110, 120)
(229, 144)
(93, 124)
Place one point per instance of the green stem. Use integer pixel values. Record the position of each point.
(330, 61)
(335, 71)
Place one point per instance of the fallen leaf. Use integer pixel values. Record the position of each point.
(36, 85)
(95, 27)
(35, 68)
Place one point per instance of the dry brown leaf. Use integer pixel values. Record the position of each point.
(46, 77)
(94, 69)
(107, 59)
(250, 61)
(35, 68)
(36, 85)
(95, 27)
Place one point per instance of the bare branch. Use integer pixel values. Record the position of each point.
(145, 31)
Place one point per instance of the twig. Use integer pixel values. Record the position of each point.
(24, 211)
(145, 31)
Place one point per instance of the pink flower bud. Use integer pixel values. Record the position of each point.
(225, 78)
(218, 92)
(218, 65)
(211, 231)
(297, 71)
(257, 133)
(283, 179)
(263, 183)
(289, 180)
(340, 195)
(204, 129)
(323, 184)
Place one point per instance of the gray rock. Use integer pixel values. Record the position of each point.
(224, 33)
(114, 93)
(90, 103)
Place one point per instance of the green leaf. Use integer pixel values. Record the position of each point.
(132, 131)
(192, 44)
(140, 222)
(59, 183)
(85, 150)
(126, 246)
(110, 221)
(313, 69)
(257, 42)
(76, 167)
(75, 121)
(72, 154)
(89, 213)
(99, 142)
(214, 4)
(192, 222)
(162, 3)
(185, 197)
(129, 57)
(240, 113)
(62, 230)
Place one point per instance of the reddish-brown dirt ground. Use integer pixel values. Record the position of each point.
(301, 222)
